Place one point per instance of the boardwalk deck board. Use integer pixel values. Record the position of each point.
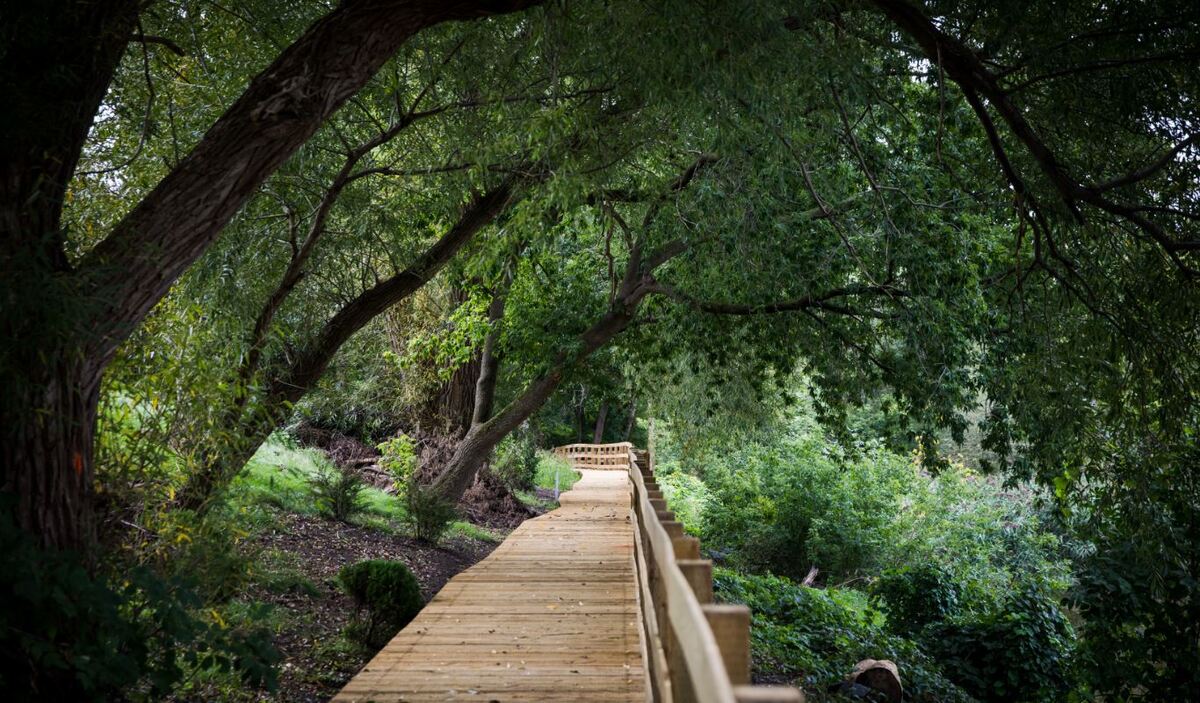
(551, 614)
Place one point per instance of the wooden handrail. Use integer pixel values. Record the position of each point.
(597, 456)
(695, 651)
(698, 651)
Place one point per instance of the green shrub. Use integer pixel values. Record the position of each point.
(515, 460)
(916, 596)
(816, 636)
(338, 492)
(554, 471)
(1018, 652)
(399, 459)
(66, 634)
(201, 550)
(428, 514)
(387, 592)
(687, 496)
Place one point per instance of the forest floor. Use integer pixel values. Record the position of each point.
(292, 555)
(312, 611)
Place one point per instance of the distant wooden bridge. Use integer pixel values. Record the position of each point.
(603, 599)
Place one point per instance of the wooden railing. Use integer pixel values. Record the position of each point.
(695, 650)
(613, 457)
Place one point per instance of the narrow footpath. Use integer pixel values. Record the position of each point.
(550, 615)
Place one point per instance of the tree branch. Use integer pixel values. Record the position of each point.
(807, 302)
(282, 107)
(965, 68)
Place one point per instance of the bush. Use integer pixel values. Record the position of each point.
(66, 634)
(916, 596)
(429, 514)
(204, 551)
(1018, 652)
(553, 471)
(515, 461)
(338, 492)
(389, 594)
(399, 459)
(816, 636)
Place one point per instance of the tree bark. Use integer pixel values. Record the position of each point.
(631, 420)
(291, 383)
(457, 399)
(52, 453)
(57, 61)
(489, 361)
(598, 435)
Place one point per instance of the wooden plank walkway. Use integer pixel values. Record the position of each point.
(551, 615)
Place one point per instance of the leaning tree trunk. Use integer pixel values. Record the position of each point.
(289, 384)
(482, 439)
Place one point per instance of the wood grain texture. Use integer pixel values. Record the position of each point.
(552, 614)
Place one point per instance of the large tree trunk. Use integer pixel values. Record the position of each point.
(47, 460)
(448, 411)
(454, 405)
(57, 61)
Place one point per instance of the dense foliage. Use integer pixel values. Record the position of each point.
(956, 578)
(818, 635)
(67, 634)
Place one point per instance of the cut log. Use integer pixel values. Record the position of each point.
(879, 675)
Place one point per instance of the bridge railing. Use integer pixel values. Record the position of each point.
(597, 456)
(695, 650)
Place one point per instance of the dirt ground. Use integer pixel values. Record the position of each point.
(316, 663)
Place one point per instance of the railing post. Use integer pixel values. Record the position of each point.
(698, 573)
(731, 626)
(686, 547)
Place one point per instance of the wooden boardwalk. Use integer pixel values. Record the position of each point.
(551, 615)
